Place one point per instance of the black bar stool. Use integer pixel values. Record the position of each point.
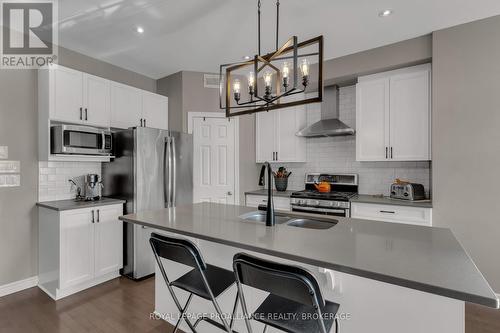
(295, 303)
(204, 280)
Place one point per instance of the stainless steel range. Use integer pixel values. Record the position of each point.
(336, 202)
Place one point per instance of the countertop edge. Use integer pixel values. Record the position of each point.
(107, 202)
(441, 291)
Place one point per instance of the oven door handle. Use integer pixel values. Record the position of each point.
(323, 210)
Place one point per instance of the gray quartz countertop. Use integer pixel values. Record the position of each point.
(61, 205)
(376, 199)
(286, 194)
(428, 259)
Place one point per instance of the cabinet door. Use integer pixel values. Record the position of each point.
(108, 240)
(372, 120)
(155, 110)
(126, 106)
(410, 116)
(97, 100)
(77, 247)
(68, 95)
(265, 136)
(291, 148)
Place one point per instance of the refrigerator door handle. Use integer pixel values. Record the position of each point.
(166, 174)
(174, 172)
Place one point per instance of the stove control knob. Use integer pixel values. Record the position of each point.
(406, 194)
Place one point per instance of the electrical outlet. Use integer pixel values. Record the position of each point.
(10, 180)
(10, 166)
(4, 152)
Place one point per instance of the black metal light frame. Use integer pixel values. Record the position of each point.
(268, 102)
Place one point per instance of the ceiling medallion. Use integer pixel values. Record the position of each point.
(275, 80)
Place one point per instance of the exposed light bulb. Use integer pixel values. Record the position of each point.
(237, 86)
(304, 67)
(268, 79)
(237, 89)
(251, 83)
(285, 70)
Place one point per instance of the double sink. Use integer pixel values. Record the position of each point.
(307, 223)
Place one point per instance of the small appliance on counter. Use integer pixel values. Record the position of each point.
(407, 191)
(93, 187)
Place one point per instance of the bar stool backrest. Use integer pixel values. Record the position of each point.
(287, 281)
(177, 249)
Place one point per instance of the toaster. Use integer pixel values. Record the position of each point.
(407, 191)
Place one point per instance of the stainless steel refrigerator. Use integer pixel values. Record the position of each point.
(152, 169)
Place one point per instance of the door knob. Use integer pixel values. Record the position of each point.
(229, 193)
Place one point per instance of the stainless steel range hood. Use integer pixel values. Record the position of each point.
(329, 125)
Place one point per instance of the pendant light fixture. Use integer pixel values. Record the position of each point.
(274, 80)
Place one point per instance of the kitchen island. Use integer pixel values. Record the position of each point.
(387, 277)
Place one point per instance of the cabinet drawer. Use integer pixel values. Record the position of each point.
(281, 203)
(389, 213)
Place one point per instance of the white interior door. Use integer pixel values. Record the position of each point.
(214, 160)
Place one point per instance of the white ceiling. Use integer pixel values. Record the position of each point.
(201, 34)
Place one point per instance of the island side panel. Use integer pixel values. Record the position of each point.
(366, 305)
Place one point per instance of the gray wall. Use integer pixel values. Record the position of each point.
(466, 139)
(171, 86)
(18, 130)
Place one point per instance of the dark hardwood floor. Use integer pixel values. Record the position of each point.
(119, 305)
(122, 305)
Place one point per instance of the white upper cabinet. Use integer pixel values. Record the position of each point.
(410, 106)
(393, 115)
(372, 120)
(126, 106)
(66, 90)
(131, 107)
(275, 135)
(265, 136)
(154, 110)
(97, 100)
(76, 97)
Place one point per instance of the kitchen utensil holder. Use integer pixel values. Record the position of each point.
(281, 184)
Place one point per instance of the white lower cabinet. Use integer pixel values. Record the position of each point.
(281, 203)
(79, 248)
(392, 213)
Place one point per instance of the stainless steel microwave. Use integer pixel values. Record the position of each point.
(81, 140)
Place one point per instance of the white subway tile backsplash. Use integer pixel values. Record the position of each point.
(54, 178)
(339, 155)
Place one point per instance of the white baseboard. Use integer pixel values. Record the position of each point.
(16, 286)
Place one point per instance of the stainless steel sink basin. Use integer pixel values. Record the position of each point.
(312, 224)
(260, 216)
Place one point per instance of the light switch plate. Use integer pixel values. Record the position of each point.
(10, 180)
(4, 152)
(10, 166)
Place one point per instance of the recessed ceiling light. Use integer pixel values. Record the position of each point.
(247, 57)
(140, 30)
(385, 13)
